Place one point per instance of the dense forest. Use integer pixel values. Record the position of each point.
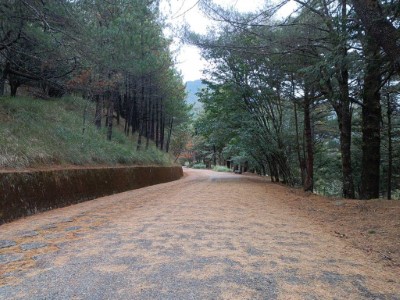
(310, 99)
(112, 53)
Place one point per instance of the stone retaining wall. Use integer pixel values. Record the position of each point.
(28, 192)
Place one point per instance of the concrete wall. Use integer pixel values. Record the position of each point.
(25, 193)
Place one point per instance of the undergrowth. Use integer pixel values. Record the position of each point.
(199, 166)
(221, 169)
(37, 132)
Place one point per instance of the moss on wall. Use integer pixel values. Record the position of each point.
(25, 193)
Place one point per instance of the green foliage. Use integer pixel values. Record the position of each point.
(40, 50)
(199, 166)
(112, 52)
(291, 98)
(37, 132)
(221, 169)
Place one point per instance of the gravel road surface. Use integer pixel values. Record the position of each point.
(207, 236)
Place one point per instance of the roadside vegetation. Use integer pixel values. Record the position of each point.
(112, 54)
(311, 99)
(199, 166)
(36, 132)
(221, 169)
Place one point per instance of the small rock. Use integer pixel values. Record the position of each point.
(29, 233)
(66, 220)
(6, 244)
(338, 203)
(62, 244)
(40, 258)
(289, 259)
(53, 236)
(7, 258)
(254, 251)
(32, 246)
(73, 228)
(48, 226)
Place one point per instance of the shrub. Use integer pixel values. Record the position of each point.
(221, 169)
(199, 166)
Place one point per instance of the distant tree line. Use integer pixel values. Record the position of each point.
(113, 53)
(312, 99)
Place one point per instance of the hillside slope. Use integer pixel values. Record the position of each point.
(36, 133)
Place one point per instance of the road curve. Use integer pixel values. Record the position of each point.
(207, 236)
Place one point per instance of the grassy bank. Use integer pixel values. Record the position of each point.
(36, 132)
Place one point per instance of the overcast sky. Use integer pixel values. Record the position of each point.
(181, 11)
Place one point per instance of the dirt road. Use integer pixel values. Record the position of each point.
(207, 236)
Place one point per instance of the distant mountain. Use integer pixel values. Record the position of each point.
(192, 87)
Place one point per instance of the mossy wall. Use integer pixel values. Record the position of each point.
(25, 193)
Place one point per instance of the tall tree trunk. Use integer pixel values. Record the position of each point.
(126, 109)
(153, 121)
(3, 78)
(119, 108)
(126, 105)
(275, 169)
(106, 102)
(300, 159)
(343, 110)
(13, 89)
(97, 116)
(283, 167)
(140, 132)
(14, 85)
(271, 170)
(169, 134)
(142, 122)
(162, 128)
(158, 122)
(309, 179)
(371, 120)
(344, 119)
(84, 117)
(3, 81)
(390, 148)
(214, 155)
(110, 115)
(264, 172)
(2, 86)
(148, 115)
(134, 118)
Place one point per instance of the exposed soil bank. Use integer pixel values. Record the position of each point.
(26, 193)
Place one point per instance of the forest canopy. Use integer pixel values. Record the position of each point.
(311, 99)
(113, 53)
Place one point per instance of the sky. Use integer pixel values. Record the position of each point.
(178, 12)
